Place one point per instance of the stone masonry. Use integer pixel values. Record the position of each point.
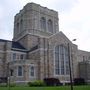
(31, 55)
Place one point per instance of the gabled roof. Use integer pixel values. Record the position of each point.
(60, 35)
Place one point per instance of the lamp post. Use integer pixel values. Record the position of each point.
(70, 68)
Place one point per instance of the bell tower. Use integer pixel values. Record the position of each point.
(35, 20)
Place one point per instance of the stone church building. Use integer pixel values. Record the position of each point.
(39, 50)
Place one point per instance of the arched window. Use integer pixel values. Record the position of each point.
(61, 60)
(20, 71)
(18, 27)
(43, 24)
(32, 71)
(21, 25)
(50, 26)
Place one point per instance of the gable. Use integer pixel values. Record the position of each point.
(59, 38)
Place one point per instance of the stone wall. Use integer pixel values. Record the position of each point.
(84, 70)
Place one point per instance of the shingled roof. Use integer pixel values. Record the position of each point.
(18, 47)
(15, 45)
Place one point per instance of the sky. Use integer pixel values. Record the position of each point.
(74, 18)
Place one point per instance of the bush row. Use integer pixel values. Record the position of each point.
(79, 81)
(36, 83)
(5, 84)
(56, 82)
(48, 82)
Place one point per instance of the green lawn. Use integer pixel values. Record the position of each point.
(47, 88)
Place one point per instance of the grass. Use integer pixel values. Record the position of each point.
(47, 88)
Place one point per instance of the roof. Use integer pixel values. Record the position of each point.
(17, 45)
(2, 40)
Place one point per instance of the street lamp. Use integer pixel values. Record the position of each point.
(70, 69)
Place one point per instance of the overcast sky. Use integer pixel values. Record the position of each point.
(74, 18)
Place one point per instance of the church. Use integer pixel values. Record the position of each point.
(40, 50)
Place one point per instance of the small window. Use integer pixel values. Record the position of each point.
(22, 56)
(18, 27)
(11, 72)
(83, 58)
(43, 24)
(14, 56)
(20, 71)
(21, 25)
(50, 26)
(32, 71)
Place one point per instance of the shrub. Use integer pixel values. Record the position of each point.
(12, 84)
(79, 81)
(52, 82)
(36, 83)
(3, 85)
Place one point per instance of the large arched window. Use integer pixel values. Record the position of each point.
(61, 60)
(43, 24)
(50, 26)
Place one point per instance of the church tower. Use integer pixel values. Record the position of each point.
(34, 21)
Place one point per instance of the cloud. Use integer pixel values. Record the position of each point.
(7, 11)
(1, 11)
(60, 5)
(63, 5)
(75, 24)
